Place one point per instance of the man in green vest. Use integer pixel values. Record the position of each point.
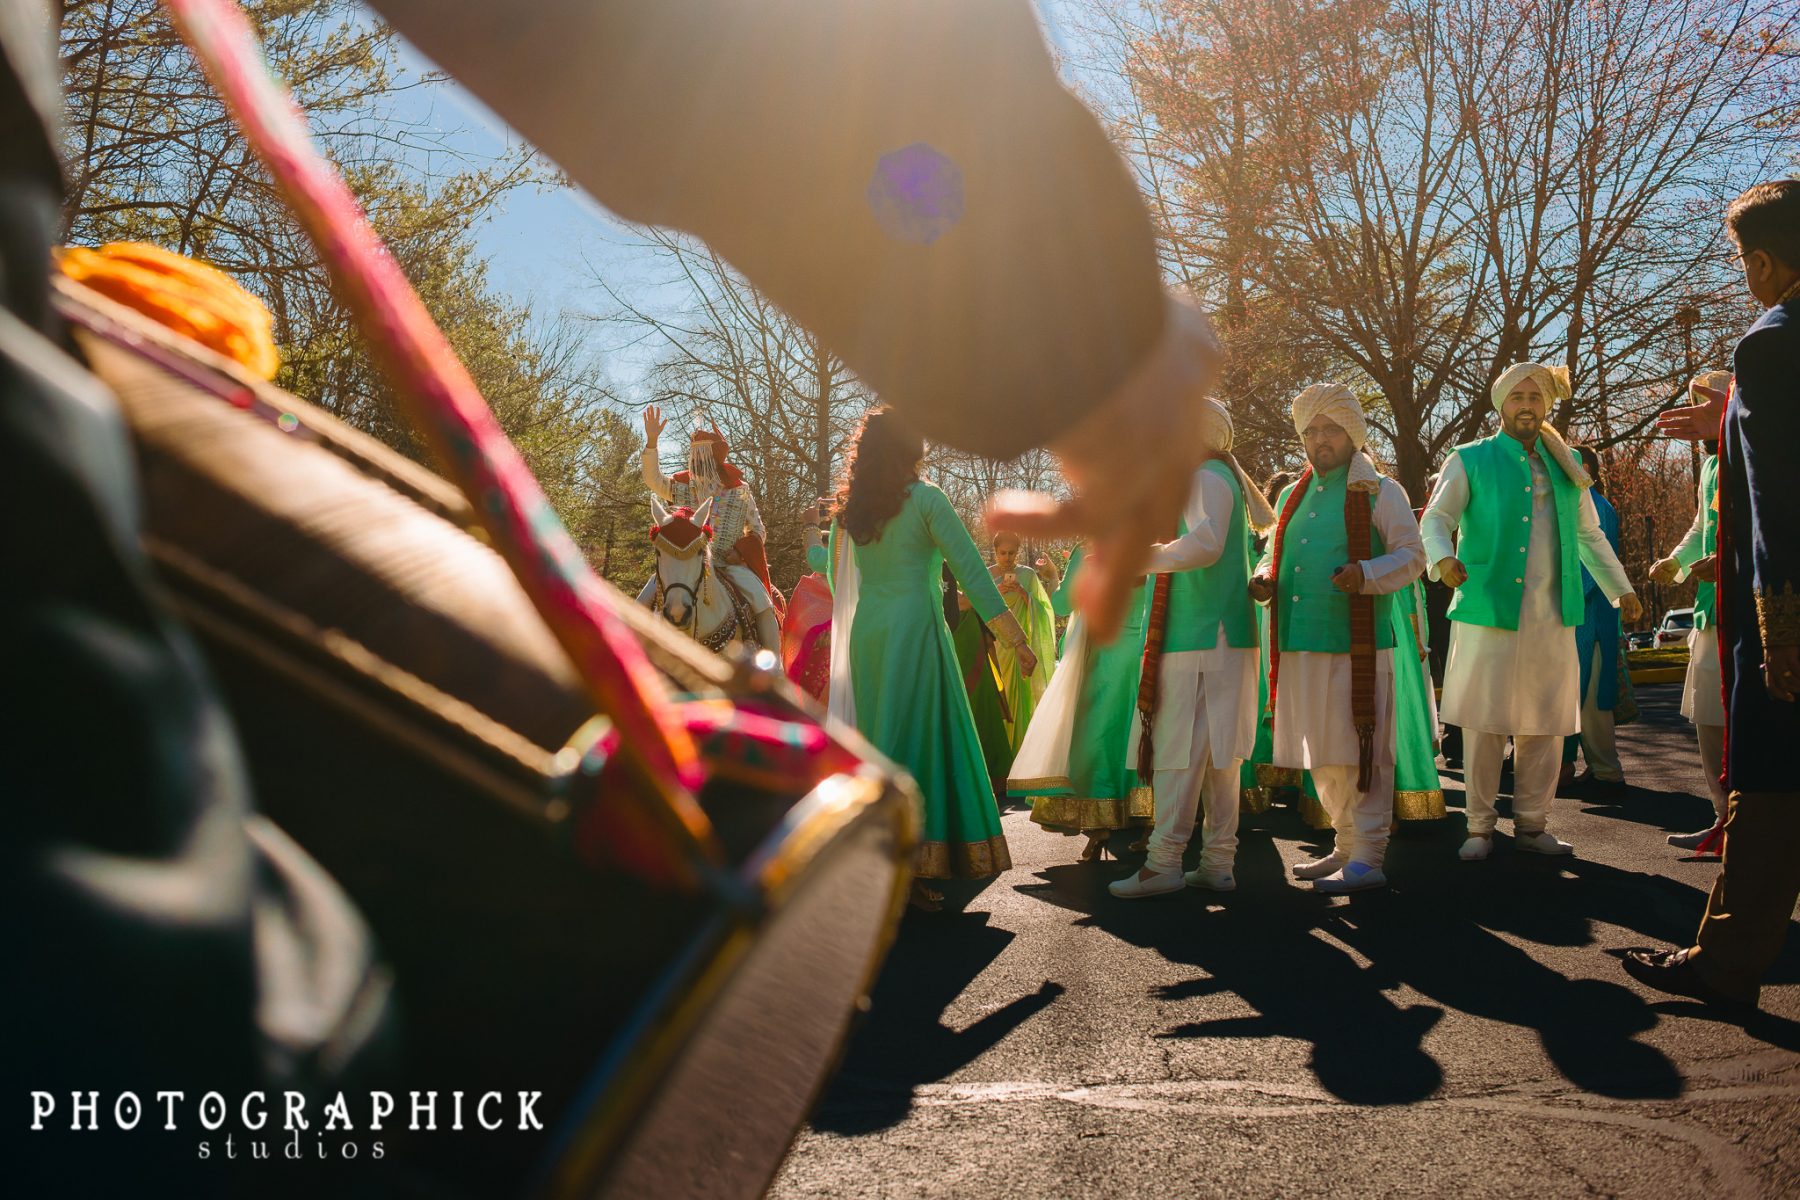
(1197, 688)
(1346, 541)
(1510, 527)
(1703, 695)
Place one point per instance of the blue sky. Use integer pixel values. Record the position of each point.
(545, 247)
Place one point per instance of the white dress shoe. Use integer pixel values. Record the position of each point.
(1134, 887)
(1693, 841)
(1355, 877)
(1541, 843)
(1476, 848)
(1331, 864)
(1212, 881)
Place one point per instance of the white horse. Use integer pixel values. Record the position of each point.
(690, 594)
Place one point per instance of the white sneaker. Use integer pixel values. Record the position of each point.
(1212, 881)
(1331, 864)
(1477, 847)
(1355, 877)
(1541, 843)
(1160, 883)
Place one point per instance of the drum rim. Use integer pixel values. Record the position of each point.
(618, 1091)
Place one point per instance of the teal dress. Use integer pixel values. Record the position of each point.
(910, 702)
(1101, 790)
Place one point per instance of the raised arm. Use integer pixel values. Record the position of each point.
(1062, 600)
(959, 551)
(897, 176)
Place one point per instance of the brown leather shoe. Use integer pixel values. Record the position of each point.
(1670, 971)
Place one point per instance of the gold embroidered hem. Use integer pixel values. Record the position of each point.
(1047, 783)
(1253, 800)
(962, 860)
(1278, 777)
(1419, 806)
(1078, 814)
(1778, 616)
(1313, 813)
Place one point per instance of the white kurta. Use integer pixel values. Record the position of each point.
(1702, 694)
(1313, 726)
(1224, 675)
(1526, 681)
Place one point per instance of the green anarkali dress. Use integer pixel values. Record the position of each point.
(908, 687)
(1099, 789)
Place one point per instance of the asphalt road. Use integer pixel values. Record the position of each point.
(1466, 1033)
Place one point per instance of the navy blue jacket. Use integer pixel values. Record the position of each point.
(1759, 548)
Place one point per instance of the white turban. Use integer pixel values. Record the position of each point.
(1339, 405)
(1554, 383)
(1216, 429)
(1718, 381)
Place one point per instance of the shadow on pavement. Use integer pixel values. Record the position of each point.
(905, 1042)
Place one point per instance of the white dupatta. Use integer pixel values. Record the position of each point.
(1042, 763)
(845, 583)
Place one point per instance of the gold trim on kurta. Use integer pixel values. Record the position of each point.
(1046, 783)
(962, 860)
(1419, 806)
(1081, 814)
(1778, 616)
(1278, 777)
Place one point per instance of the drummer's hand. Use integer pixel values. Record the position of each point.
(1781, 671)
(1027, 660)
(653, 425)
(1451, 572)
(1697, 423)
(1631, 609)
(1664, 570)
(1131, 463)
(1706, 570)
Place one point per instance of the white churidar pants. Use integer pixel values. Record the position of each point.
(1179, 792)
(1362, 820)
(1537, 760)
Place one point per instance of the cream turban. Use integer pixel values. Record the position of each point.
(1718, 381)
(1554, 383)
(1216, 429)
(1339, 405)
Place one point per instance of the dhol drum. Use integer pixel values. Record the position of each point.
(409, 719)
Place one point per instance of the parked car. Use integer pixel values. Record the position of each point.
(1677, 623)
(1640, 639)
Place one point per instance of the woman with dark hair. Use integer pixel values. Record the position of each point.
(894, 673)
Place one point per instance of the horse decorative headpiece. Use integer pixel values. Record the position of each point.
(680, 531)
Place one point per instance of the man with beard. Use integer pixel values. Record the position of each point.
(1346, 541)
(1510, 527)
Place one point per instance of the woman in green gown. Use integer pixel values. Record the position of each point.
(1029, 604)
(1073, 763)
(894, 674)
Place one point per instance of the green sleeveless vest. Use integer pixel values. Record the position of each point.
(1494, 536)
(1706, 595)
(1201, 601)
(1314, 615)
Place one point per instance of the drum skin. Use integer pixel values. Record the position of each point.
(411, 722)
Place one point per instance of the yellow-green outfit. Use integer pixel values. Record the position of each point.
(1030, 606)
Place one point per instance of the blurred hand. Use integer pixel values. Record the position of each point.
(1009, 584)
(1664, 570)
(962, 603)
(1452, 573)
(810, 516)
(1706, 570)
(1781, 671)
(1698, 423)
(1131, 463)
(1631, 609)
(653, 425)
(1262, 589)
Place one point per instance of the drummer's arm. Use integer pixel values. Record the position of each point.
(763, 129)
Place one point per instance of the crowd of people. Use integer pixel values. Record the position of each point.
(1281, 636)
